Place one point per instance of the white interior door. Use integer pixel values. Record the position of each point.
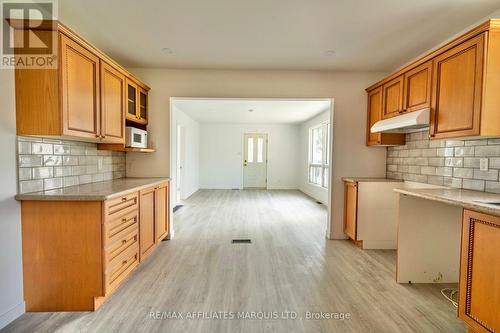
(255, 160)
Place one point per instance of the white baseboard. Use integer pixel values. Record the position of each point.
(12, 314)
(282, 188)
(217, 187)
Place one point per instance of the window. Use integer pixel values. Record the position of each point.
(319, 154)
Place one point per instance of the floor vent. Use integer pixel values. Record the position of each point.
(176, 208)
(241, 241)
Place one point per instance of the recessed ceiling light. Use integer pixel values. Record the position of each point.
(329, 53)
(167, 50)
(250, 110)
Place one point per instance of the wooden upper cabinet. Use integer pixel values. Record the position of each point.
(147, 239)
(137, 103)
(417, 88)
(112, 104)
(84, 98)
(479, 296)
(457, 90)
(374, 115)
(392, 97)
(161, 212)
(80, 93)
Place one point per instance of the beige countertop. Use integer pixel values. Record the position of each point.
(94, 192)
(473, 200)
(369, 179)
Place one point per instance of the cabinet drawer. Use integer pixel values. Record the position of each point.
(120, 243)
(120, 267)
(113, 229)
(121, 205)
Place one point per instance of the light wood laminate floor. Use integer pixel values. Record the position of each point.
(289, 266)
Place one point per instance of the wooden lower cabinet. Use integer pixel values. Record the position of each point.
(77, 253)
(479, 301)
(350, 209)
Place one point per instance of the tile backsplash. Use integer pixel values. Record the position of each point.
(452, 163)
(45, 164)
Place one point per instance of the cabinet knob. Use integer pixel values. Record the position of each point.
(124, 241)
(124, 262)
(124, 199)
(124, 220)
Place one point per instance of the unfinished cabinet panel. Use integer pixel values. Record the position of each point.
(80, 90)
(392, 97)
(350, 209)
(417, 88)
(479, 272)
(457, 90)
(112, 104)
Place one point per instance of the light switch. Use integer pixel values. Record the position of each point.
(483, 164)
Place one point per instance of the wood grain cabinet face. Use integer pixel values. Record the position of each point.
(161, 212)
(392, 93)
(417, 88)
(374, 115)
(479, 301)
(80, 93)
(350, 209)
(137, 103)
(457, 90)
(112, 104)
(147, 239)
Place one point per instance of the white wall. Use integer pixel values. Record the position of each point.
(190, 182)
(317, 192)
(221, 155)
(351, 156)
(11, 276)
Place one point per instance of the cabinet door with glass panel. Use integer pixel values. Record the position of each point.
(137, 103)
(319, 154)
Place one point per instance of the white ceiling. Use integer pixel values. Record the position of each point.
(265, 111)
(375, 35)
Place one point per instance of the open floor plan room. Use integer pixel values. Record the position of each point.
(289, 266)
(250, 166)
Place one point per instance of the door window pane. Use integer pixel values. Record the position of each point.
(260, 150)
(250, 150)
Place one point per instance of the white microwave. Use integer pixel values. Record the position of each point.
(135, 137)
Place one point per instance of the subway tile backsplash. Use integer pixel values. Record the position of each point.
(452, 163)
(46, 164)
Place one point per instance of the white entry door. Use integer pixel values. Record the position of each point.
(255, 160)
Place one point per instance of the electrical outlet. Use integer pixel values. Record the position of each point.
(483, 164)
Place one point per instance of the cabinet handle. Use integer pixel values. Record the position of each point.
(124, 262)
(124, 241)
(124, 199)
(124, 220)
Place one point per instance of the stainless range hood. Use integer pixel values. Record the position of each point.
(408, 122)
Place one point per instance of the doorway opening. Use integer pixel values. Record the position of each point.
(265, 144)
